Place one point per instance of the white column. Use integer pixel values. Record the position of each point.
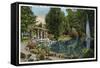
(41, 34)
(38, 33)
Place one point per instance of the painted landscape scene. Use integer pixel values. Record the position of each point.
(56, 33)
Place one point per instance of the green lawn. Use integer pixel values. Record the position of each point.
(64, 37)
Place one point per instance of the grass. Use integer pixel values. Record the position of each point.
(64, 37)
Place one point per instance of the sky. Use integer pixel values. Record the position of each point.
(42, 11)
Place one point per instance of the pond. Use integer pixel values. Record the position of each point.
(71, 47)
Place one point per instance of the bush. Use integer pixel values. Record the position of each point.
(23, 56)
(41, 57)
(28, 56)
(35, 51)
(88, 53)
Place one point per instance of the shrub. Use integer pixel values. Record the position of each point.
(28, 56)
(23, 56)
(35, 51)
(88, 53)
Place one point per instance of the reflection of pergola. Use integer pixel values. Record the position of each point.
(41, 33)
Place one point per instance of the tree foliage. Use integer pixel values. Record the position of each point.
(54, 22)
(27, 18)
(76, 19)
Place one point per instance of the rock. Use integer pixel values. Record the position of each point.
(33, 57)
(31, 44)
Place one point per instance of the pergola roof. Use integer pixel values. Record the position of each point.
(36, 27)
(40, 28)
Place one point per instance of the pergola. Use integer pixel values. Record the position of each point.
(41, 33)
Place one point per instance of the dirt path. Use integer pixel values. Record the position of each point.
(55, 58)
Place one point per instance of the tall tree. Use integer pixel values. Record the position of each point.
(27, 18)
(54, 22)
(76, 19)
